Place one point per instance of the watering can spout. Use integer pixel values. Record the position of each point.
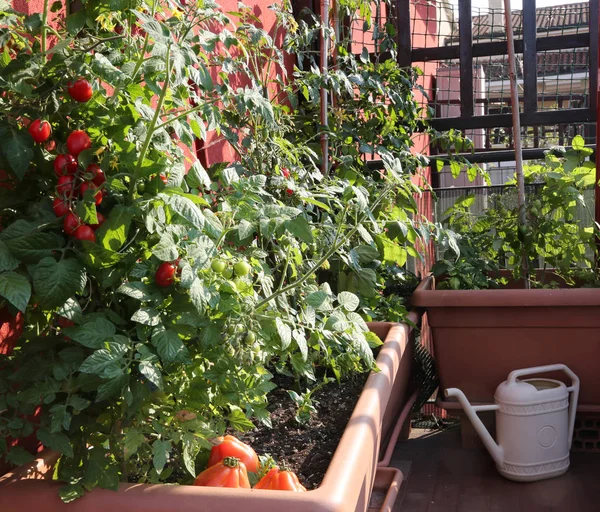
(496, 451)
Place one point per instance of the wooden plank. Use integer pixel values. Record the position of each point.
(465, 37)
(404, 31)
(550, 117)
(529, 57)
(563, 42)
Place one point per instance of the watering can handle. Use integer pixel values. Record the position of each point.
(573, 388)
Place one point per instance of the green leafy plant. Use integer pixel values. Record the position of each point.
(160, 298)
(561, 231)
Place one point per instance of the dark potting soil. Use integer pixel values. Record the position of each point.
(306, 449)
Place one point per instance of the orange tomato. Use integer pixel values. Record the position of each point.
(230, 446)
(281, 481)
(230, 472)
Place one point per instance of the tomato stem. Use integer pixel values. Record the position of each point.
(152, 127)
(44, 27)
(231, 462)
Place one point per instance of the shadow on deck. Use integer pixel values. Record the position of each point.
(444, 477)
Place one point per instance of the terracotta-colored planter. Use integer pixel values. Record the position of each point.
(480, 336)
(346, 487)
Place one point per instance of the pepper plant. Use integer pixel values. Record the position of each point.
(158, 298)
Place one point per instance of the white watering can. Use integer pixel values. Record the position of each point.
(534, 423)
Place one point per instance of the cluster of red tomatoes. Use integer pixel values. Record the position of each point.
(229, 463)
(73, 181)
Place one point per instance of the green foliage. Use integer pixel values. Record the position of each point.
(476, 247)
(305, 254)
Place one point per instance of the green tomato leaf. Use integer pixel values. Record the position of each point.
(152, 373)
(166, 249)
(285, 333)
(300, 339)
(105, 361)
(55, 282)
(71, 492)
(16, 289)
(185, 208)
(146, 316)
(7, 260)
(17, 147)
(136, 290)
(97, 256)
(190, 450)
(367, 280)
(18, 455)
(34, 246)
(245, 229)
(92, 334)
(160, 454)
(112, 387)
(348, 301)
(112, 235)
(318, 300)
(133, 440)
(168, 345)
(71, 310)
(75, 22)
(58, 441)
(101, 471)
(238, 420)
(301, 228)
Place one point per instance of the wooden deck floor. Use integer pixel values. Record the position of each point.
(444, 477)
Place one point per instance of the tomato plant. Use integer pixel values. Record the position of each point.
(190, 286)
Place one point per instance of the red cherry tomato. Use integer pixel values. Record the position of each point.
(66, 186)
(164, 179)
(88, 185)
(80, 90)
(65, 322)
(289, 192)
(71, 223)
(101, 220)
(65, 164)
(60, 207)
(285, 172)
(85, 233)
(98, 176)
(165, 274)
(40, 130)
(77, 142)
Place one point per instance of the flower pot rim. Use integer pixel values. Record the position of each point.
(426, 296)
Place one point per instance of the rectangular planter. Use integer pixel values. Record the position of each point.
(480, 336)
(346, 487)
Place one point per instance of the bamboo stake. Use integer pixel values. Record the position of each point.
(514, 97)
(324, 98)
